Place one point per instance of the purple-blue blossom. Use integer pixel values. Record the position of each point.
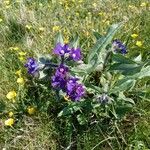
(75, 54)
(62, 70)
(59, 79)
(61, 49)
(32, 66)
(119, 47)
(75, 91)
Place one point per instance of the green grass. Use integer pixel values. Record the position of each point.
(41, 131)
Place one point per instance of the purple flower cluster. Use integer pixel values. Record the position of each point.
(65, 50)
(75, 90)
(32, 66)
(59, 79)
(62, 81)
(119, 47)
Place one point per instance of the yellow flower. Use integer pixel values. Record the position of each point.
(22, 53)
(20, 80)
(8, 6)
(11, 95)
(66, 98)
(41, 29)
(143, 4)
(9, 122)
(56, 28)
(14, 48)
(28, 27)
(7, 2)
(107, 22)
(139, 44)
(77, 14)
(10, 114)
(21, 58)
(1, 19)
(87, 33)
(18, 72)
(101, 14)
(134, 36)
(94, 5)
(31, 110)
(80, 1)
(66, 40)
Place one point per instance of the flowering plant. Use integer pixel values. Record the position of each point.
(95, 87)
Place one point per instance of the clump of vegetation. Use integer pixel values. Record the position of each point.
(87, 89)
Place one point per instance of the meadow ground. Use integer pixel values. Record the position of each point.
(29, 27)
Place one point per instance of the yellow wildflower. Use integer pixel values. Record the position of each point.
(7, 2)
(21, 58)
(100, 13)
(66, 40)
(56, 28)
(31, 110)
(9, 122)
(1, 19)
(139, 44)
(20, 80)
(11, 95)
(18, 72)
(28, 27)
(14, 48)
(80, 1)
(66, 98)
(8, 6)
(143, 4)
(77, 14)
(87, 33)
(41, 29)
(10, 114)
(22, 53)
(94, 5)
(134, 36)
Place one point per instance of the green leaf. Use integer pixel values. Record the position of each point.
(81, 119)
(99, 48)
(59, 38)
(122, 110)
(42, 75)
(145, 72)
(126, 69)
(122, 97)
(75, 42)
(70, 109)
(123, 85)
(83, 69)
(2, 106)
(97, 35)
(43, 59)
(122, 59)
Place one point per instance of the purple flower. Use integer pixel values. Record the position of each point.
(75, 90)
(59, 80)
(61, 49)
(75, 54)
(119, 47)
(61, 70)
(32, 66)
(71, 84)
